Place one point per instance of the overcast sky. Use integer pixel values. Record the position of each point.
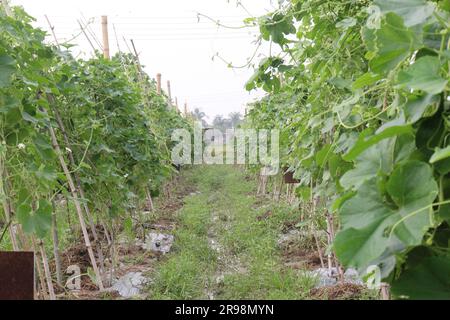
(171, 41)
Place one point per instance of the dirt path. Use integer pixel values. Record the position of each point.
(226, 245)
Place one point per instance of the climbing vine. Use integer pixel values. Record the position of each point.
(360, 91)
(112, 129)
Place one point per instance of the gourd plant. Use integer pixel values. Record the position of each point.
(364, 105)
(95, 131)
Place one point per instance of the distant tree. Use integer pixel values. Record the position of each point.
(235, 119)
(199, 115)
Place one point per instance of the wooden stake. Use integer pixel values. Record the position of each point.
(149, 199)
(169, 93)
(385, 291)
(176, 104)
(80, 190)
(158, 83)
(76, 201)
(185, 109)
(48, 276)
(52, 28)
(86, 36)
(56, 247)
(40, 273)
(105, 37)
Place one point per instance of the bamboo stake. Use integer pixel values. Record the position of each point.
(176, 104)
(48, 276)
(77, 206)
(105, 37)
(149, 199)
(56, 247)
(40, 273)
(52, 28)
(385, 291)
(139, 66)
(185, 109)
(169, 93)
(158, 83)
(86, 36)
(61, 126)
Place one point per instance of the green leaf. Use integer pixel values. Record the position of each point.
(423, 75)
(440, 154)
(24, 217)
(413, 12)
(380, 158)
(367, 220)
(43, 218)
(393, 43)
(365, 80)
(7, 68)
(428, 280)
(365, 142)
(416, 106)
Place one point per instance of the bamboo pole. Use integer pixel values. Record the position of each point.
(77, 206)
(106, 53)
(86, 36)
(80, 190)
(158, 83)
(56, 252)
(185, 109)
(169, 93)
(40, 273)
(48, 276)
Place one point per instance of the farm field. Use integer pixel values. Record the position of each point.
(319, 169)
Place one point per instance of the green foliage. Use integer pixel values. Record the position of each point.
(366, 90)
(116, 127)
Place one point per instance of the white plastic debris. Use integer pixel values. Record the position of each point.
(327, 277)
(130, 285)
(158, 242)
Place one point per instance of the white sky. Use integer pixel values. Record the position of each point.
(171, 41)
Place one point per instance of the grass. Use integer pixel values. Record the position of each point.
(223, 210)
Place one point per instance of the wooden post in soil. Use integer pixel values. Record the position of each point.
(169, 93)
(185, 109)
(105, 37)
(158, 83)
(329, 241)
(149, 199)
(176, 104)
(385, 291)
(76, 201)
(41, 277)
(48, 276)
(56, 253)
(93, 228)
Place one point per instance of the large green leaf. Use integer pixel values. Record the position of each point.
(379, 158)
(428, 280)
(413, 12)
(39, 221)
(423, 75)
(365, 140)
(371, 225)
(393, 43)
